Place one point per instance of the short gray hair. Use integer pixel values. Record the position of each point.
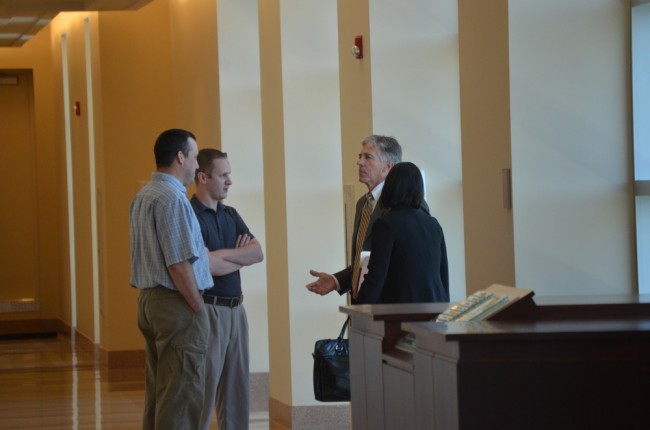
(389, 148)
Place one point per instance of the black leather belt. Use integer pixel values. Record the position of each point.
(231, 302)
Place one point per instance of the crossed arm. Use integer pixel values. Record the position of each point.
(247, 251)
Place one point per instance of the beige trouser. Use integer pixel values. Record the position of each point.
(176, 342)
(227, 373)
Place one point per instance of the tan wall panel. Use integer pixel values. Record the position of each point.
(137, 104)
(356, 90)
(275, 200)
(485, 131)
(196, 69)
(18, 223)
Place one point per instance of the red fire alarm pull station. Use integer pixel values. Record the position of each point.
(357, 49)
(77, 108)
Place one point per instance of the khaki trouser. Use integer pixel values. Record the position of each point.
(176, 342)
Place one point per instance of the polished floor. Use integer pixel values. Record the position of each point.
(56, 383)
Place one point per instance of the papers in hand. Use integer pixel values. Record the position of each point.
(364, 257)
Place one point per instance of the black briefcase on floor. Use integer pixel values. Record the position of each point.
(332, 368)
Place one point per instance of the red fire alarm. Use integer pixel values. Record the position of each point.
(357, 49)
(77, 108)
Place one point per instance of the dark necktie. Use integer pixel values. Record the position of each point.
(366, 213)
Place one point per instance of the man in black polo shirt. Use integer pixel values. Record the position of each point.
(231, 246)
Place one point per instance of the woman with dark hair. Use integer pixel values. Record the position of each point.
(408, 256)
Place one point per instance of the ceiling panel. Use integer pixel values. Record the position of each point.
(20, 20)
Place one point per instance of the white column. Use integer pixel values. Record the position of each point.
(312, 154)
(303, 192)
(241, 138)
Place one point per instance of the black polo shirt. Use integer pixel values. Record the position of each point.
(220, 230)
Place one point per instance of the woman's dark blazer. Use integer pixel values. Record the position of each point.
(408, 260)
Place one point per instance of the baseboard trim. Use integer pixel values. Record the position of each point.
(259, 388)
(335, 416)
(29, 327)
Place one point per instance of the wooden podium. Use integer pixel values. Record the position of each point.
(540, 363)
(374, 329)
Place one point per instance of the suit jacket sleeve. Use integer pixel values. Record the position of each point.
(444, 267)
(345, 279)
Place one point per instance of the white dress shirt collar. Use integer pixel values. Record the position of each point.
(376, 192)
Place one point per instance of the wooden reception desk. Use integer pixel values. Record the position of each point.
(546, 363)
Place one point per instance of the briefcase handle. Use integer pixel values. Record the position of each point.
(345, 326)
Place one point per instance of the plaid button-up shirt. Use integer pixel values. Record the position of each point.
(164, 231)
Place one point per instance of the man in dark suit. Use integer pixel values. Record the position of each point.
(377, 156)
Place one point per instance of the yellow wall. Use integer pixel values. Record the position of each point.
(156, 68)
(158, 71)
(138, 103)
(131, 69)
(36, 55)
(145, 79)
(196, 70)
(356, 94)
(19, 237)
(72, 26)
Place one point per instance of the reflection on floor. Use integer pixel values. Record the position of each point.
(56, 383)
